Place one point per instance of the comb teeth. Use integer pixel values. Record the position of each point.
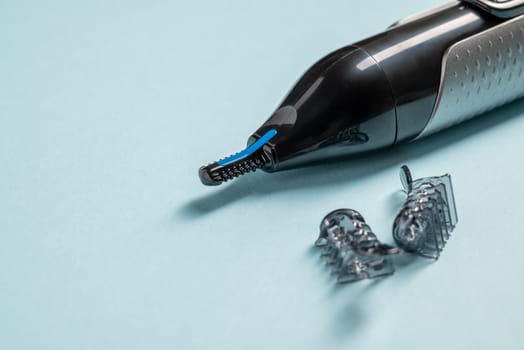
(351, 249)
(215, 174)
(424, 224)
(238, 164)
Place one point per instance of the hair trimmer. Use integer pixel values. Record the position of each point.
(425, 73)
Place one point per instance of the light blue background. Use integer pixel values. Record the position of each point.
(109, 241)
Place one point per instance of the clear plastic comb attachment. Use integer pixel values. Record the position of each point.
(351, 249)
(428, 216)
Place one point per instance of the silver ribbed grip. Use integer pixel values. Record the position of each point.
(480, 73)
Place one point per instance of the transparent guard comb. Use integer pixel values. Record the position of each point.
(352, 249)
(428, 216)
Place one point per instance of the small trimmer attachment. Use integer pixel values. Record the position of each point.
(254, 157)
(428, 215)
(352, 249)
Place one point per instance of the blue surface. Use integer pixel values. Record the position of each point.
(109, 241)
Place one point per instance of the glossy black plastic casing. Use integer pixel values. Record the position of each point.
(369, 95)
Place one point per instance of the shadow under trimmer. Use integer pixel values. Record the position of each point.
(425, 73)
